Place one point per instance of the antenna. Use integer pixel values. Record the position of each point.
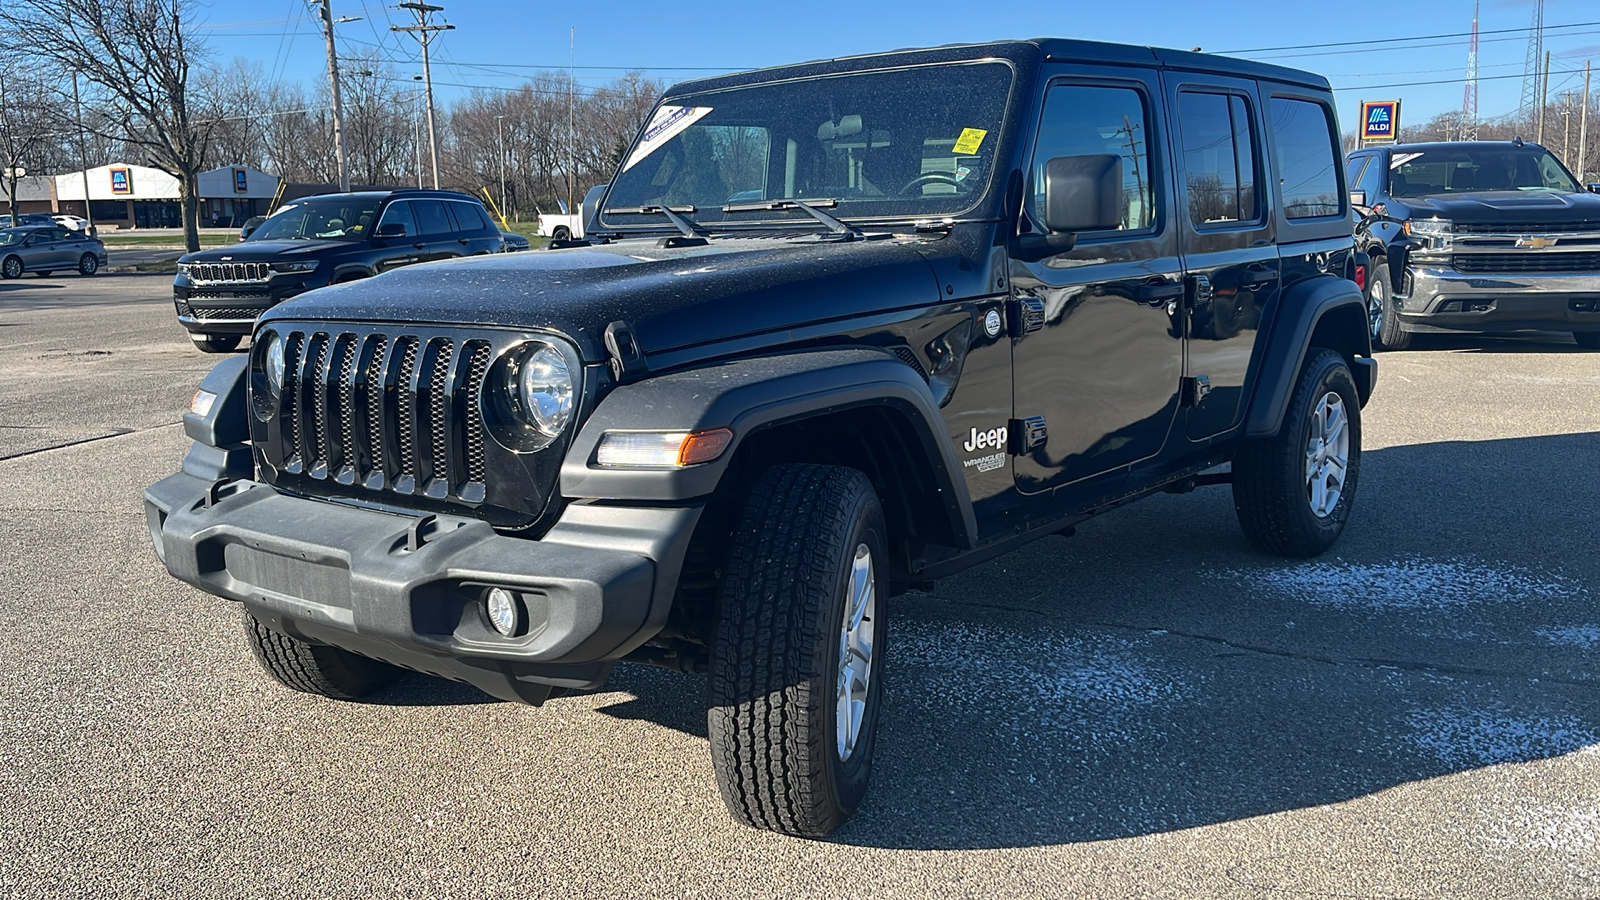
(1469, 103)
(1531, 88)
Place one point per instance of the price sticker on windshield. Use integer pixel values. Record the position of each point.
(667, 123)
(967, 143)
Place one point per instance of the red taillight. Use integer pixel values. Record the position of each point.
(1361, 276)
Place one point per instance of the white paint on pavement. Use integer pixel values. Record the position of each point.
(1585, 636)
(1408, 584)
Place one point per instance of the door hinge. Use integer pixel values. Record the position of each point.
(1195, 389)
(1027, 316)
(1028, 435)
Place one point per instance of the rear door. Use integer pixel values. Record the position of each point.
(474, 232)
(436, 231)
(1227, 239)
(1100, 355)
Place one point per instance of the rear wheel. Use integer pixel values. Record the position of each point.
(11, 267)
(560, 234)
(796, 670)
(87, 264)
(215, 343)
(1588, 340)
(1293, 492)
(1386, 331)
(315, 668)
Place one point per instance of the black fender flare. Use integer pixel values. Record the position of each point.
(1304, 308)
(220, 425)
(749, 395)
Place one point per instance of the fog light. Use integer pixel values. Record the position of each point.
(505, 612)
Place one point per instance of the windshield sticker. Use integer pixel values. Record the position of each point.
(1400, 159)
(962, 172)
(967, 143)
(664, 126)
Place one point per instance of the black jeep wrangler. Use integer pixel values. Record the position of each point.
(839, 329)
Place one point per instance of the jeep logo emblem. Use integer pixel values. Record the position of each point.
(994, 437)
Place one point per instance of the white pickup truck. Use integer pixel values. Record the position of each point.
(561, 227)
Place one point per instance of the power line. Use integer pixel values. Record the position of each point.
(1419, 37)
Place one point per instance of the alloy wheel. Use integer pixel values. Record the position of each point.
(856, 633)
(1327, 454)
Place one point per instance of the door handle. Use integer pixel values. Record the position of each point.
(1258, 277)
(420, 246)
(1159, 293)
(461, 240)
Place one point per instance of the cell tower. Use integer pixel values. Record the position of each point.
(1469, 103)
(1534, 67)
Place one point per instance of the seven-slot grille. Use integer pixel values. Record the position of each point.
(398, 413)
(223, 273)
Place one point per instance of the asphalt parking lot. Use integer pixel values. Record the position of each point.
(1148, 709)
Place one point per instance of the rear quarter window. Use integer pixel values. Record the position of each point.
(1304, 150)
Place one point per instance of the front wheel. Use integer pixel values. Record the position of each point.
(11, 267)
(315, 668)
(1293, 492)
(1588, 340)
(1386, 331)
(215, 343)
(796, 676)
(87, 264)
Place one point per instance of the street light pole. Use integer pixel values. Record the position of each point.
(500, 129)
(333, 81)
(83, 154)
(424, 33)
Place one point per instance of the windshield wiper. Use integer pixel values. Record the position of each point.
(807, 206)
(689, 228)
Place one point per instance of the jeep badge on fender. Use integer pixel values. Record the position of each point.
(769, 388)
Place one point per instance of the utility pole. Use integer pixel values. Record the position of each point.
(500, 130)
(333, 81)
(83, 154)
(1583, 128)
(1566, 128)
(572, 176)
(424, 31)
(1544, 96)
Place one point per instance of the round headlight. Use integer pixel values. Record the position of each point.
(274, 364)
(545, 389)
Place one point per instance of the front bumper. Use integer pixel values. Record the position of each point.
(408, 591)
(1445, 300)
(232, 308)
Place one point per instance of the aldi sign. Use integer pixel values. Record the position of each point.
(241, 181)
(1380, 120)
(121, 181)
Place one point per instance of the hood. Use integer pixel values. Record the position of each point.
(263, 251)
(1519, 207)
(672, 298)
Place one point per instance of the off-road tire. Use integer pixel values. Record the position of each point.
(1269, 474)
(774, 670)
(88, 264)
(1588, 340)
(11, 267)
(316, 669)
(1390, 336)
(215, 343)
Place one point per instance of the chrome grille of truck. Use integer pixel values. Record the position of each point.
(389, 413)
(227, 273)
(1528, 261)
(1526, 227)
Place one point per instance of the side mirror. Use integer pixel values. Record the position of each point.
(591, 205)
(1594, 187)
(1358, 198)
(392, 229)
(1081, 193)
(246, 231)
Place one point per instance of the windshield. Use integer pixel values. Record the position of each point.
(11, 237)
(344, 218)
(1459, 170)
(909, 143)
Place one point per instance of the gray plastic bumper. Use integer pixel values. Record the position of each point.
(408, 591)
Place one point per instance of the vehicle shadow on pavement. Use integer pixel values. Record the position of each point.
(1527, 342)
(1155, 674)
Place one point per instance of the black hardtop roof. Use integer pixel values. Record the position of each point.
(1053, 49)
(400, 192)
(1423, 146)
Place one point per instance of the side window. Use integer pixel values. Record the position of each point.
(1306, 163)
(431, 217)
(1082, 119)
(1352, 169)
(1372, 180)
(470, 216)
(1218, 157)
(399, 213)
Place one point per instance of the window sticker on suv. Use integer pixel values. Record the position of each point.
(664, 126)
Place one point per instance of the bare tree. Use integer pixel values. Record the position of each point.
(136, 54)
(28, 122)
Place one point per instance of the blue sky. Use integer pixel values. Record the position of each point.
(495, 39)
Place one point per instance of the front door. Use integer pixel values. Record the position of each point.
(1227, 238)
(1100, 353)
